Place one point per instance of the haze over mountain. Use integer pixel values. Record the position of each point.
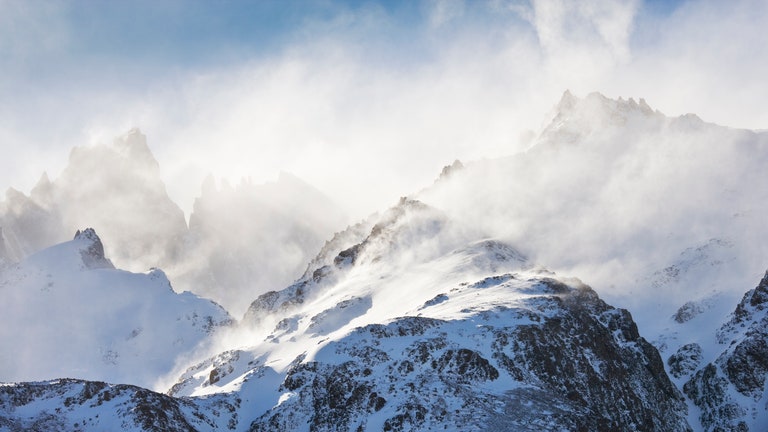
(367, 89)
(460, 307)
(241, 241)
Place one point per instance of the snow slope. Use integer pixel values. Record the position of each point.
(69, 313)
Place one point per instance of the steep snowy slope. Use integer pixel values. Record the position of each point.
(68, 312)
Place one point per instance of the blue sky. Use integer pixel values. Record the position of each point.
(249, 88)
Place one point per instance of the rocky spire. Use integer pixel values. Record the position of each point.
(93, 250)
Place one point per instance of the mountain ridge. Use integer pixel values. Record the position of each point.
(448, 309)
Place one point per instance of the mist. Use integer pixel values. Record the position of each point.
(365, 102)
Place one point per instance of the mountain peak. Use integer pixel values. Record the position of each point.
(43, 189)
(92, 250)
(567, 101)
(596, 101)
(576, 117)
(134, 145)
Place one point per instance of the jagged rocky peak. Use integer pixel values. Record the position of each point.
(92, 250)
(576, 117)
(128, 154)
(752, 305)
(407, 224)
(759, 296)
(567, 102)
(42, 192)
(595, 101)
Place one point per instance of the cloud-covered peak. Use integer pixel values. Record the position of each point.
(133, 145)
(575, 118)
(596, 105)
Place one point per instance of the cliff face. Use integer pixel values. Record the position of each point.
(731, 390)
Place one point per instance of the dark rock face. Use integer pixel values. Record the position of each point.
(687, 312)
(685, 361)
(708, 390)
(742, 366)
(594, 357)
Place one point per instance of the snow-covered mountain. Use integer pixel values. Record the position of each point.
(68, 312)
(453, 310)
